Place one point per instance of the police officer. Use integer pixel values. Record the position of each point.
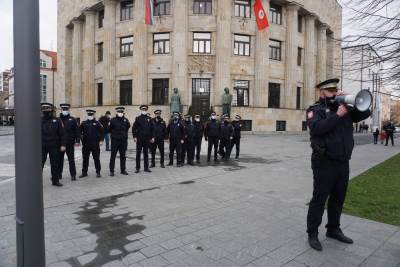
(143, 135)
(176, 134)
(188, 143)
(389, 129)
(53, 141)
(198, 136)
(331, 135)
(226, 137)
(237, 129)
(92, 138)
(160, 134)
(73, 136)
(118, 129)
(212, 133)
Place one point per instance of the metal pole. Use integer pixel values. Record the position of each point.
(28, 169)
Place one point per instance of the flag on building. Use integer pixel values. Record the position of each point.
(261, 17)
(149, 12)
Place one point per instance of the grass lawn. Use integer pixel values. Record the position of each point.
(375, 194)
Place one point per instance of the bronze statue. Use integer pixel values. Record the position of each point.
(226, 102)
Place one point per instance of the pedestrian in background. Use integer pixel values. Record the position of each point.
(105, 121)
(382, 136)
(376, 135)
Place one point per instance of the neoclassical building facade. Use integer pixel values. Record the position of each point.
(108, 57)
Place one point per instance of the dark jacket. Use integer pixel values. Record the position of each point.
(160, 129)
(143, 127)
(105, 122)
(189, 131)
(226, 130)
(118, 128)
(53, 132)
(72, 132)
(237, 129)
(198, 130)
(176, 131)
(389, 129)
(212, 129)
(330, 135)
(92, 132)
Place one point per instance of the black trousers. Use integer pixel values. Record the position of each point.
(212, 142)
(53, 151)
(391, 139)
(70, 151)
(375, 138)
(142, 144)
(95, 150)
(331, 178)
(188, 151)
(175, 145)
(197, 147)
(153, 147)
(236, 142)
(118, 145)
(225, 148)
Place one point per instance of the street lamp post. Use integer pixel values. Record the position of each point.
(28, 169)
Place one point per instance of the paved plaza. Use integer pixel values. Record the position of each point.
(250, 212)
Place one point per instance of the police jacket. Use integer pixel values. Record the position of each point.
(389, 129)
(72, 132)
(143, 127)
(212, 129)
(105, 122)
(53, 132)
(160, 129)
(226, 130)
(198, 129)
(331, 136)
(92, 132)
(237, 129)
(189, 131)
(176, 131)
(118, 128)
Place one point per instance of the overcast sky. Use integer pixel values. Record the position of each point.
(48, 29)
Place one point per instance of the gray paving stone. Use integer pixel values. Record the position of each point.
(84, 259)
(152, 250)
(133, 258)
(136, 245)
(174, 256)
(171, 244)
(156, 261)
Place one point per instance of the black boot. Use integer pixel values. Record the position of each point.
(170, 163)
(112, 173)
(152, 165)
(124, 173)
(313, 241)
(98, 175)
(73, 178)
(147, 170)
(57, 183)
(162, 165)
(338, 235)
(83, 175)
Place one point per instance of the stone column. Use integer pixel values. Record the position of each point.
(289, 94)
(140, 90)
(322, 53)
(88, 94)
(309, 61)
(76, 81)
(223, 51)
(179, 50)
(261, 58)
(109, 62)
(67, 65)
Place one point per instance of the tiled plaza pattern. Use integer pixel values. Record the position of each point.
(249, 212)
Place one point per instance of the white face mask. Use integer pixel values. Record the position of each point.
(197, 120)
(120, 114)
(90, 117)
(213, 117)
(65, 112)
(144, 112)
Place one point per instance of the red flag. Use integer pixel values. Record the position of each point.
(261, 17)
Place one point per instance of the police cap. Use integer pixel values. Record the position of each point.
(65, 106)
(144, 107)
(328, 84)
(120, 109)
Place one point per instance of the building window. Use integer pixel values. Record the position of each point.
(162, 7)
(101, 18)
(246, 125)
(201, 86)
(202, 7)
(43, 87)
(298, 97)
(241, 45)
(125, 92)
(99, 94)
(275, 14)
(280, 126)
(274, 95)
(126, 48)
(275, 49)
(99, 52)
(202, 42)
(160, 91)
(43, 63)
(161, 43)
(299, 23)
(242, 8)
(304, 126)
(240, 93)
(299, 54)
(126, 10)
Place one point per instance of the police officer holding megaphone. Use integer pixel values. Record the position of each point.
(330, 121)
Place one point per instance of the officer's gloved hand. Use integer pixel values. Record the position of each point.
(62, 148)
(101, 143)
(182, 141)
(152, 140)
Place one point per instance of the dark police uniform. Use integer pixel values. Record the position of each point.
(332, 145)
(237, 135)
(73, 136)
(198, 138)
(212, 133)
(176, 134)
(160, 134)
(389, 130)
(92, 134)
(188, 143)
(226, 137)
(118, 128)
(53, 137)
(142, 130)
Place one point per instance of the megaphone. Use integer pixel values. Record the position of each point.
(361, 101)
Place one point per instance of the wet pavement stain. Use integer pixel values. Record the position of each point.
(111, 231)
